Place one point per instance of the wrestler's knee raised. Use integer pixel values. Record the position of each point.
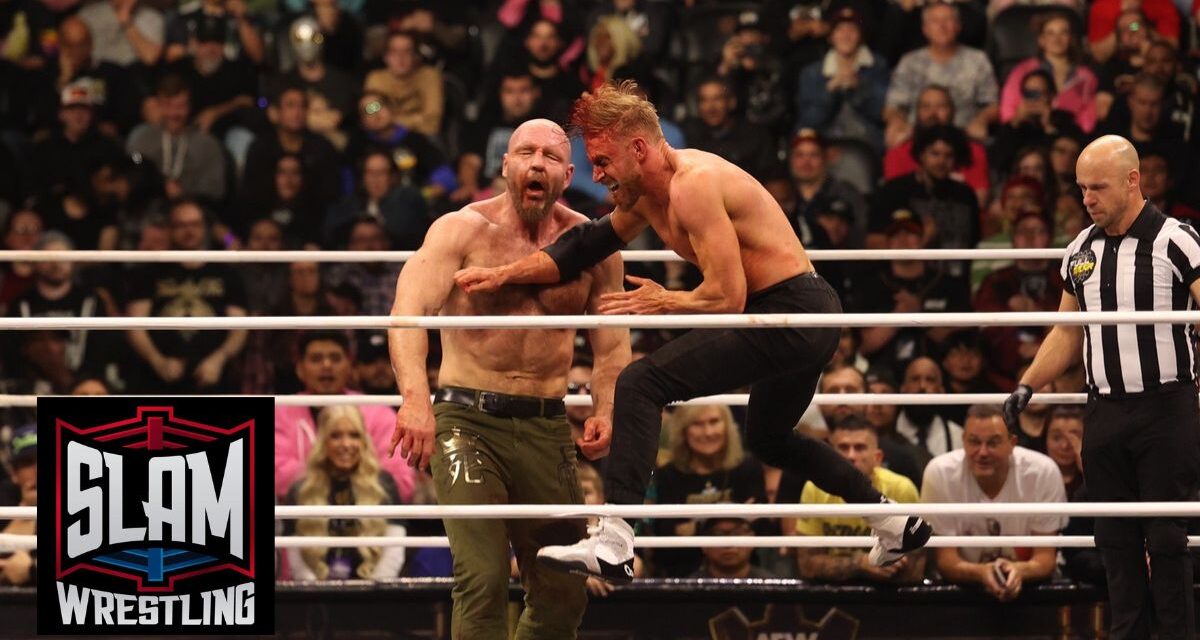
(768, 447)
(641, 379)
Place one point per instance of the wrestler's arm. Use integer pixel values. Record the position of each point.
(424, 284)
(577, 246)
(698, 205)
(610, 347)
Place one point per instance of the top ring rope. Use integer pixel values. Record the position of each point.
(576, 400)
(244, 257)
(683, 321)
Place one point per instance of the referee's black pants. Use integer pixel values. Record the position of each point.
(1141, 448)
(781, 365)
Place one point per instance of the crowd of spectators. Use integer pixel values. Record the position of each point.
(353, 124)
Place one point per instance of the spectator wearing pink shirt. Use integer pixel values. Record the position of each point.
(1060, 55)
(323, 367)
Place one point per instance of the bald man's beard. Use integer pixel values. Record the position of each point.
(533, 213)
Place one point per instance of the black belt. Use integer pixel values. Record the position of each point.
(1162, 389)
(501, 404)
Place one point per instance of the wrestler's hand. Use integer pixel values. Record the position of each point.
(479, 279)
(650, 297)
(597, 435)
(414, 434)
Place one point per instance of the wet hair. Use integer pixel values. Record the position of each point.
(615, 109)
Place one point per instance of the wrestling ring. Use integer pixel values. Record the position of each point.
(749, 511)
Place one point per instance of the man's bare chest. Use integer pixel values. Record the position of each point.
(567, 298)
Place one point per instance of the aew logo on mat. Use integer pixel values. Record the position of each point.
(157, 515)
(782, 623)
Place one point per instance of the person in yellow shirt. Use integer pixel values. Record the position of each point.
(858, 443)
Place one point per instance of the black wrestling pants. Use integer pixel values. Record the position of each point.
(781, 366)
(1143, 448)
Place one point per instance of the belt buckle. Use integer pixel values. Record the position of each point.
(490, 402)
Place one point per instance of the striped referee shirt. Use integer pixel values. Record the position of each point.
(1150, 268)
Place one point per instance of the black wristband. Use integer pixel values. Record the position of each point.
(583, 246)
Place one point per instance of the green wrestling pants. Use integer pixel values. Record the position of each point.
(488, 458)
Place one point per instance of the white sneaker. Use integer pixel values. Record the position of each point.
(896, 536)
(606, 553)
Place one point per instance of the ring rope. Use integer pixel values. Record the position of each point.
(14, 542)
(679, 321)
(730, 399)
(689, 511)
(403, 256)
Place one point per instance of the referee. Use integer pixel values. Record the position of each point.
(1142, 435)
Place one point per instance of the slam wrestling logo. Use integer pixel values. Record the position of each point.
(158, 515)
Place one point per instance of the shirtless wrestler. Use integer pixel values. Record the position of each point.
(721, 219)
(497, 431)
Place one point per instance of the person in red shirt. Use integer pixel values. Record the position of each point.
(1102, 22)
(935, 107)
(1026, 285)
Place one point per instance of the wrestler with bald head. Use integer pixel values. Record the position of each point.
(1141, 440)
(497, 431)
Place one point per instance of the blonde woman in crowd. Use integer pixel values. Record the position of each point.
(343, 470)
(611, 46)
(708, 465)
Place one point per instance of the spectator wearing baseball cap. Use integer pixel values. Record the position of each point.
(372, 364)
(1026, 285)
(843, 93)
(224, 90)
(20, 567)
(62, 164)
(906, 286)
(817, 191)
(227, 22)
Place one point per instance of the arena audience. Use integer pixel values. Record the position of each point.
(964, 71)
(990, 468)
(843, 94)
(817, 192)
(324, 366)
(708, 465)
(923, 424)
(342, 469)
(935, 107)
(412, 88)
(847, 379)
(858, 443)
(190, 161)
(728, 562)
(1060, 54)
(19, 568)
(719, 129)
(187, 360)
(248, 124)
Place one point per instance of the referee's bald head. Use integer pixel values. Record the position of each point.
(1108, 176)
(1115, 151)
